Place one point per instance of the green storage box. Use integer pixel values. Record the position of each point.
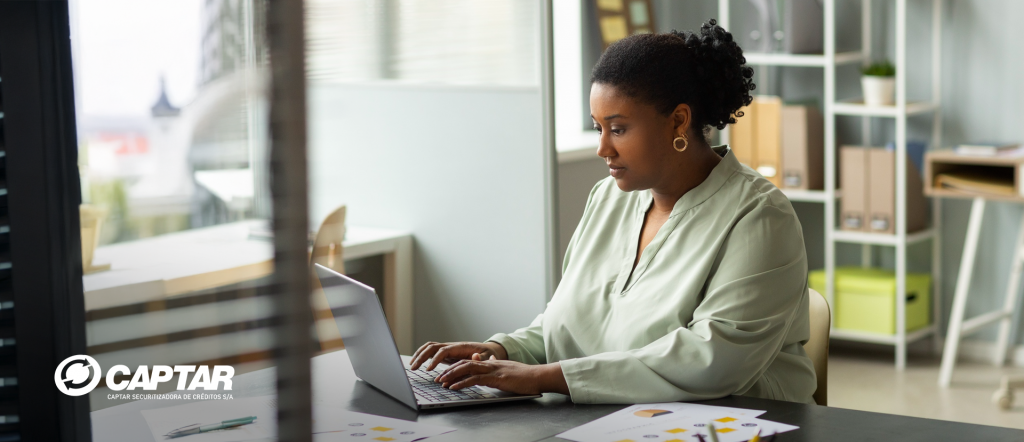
(865, 299)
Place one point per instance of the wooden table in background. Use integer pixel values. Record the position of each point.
(178, 263)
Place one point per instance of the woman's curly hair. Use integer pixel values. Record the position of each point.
(706, 71)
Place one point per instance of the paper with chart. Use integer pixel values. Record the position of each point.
(337, 425)
(330, 424)
(675, 422)
(631, 416)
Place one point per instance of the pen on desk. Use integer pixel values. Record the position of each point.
(757, 436)
(712, 433)
(201, 428)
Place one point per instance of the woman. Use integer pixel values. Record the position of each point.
(686, 278)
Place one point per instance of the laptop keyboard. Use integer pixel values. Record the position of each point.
(429, 391)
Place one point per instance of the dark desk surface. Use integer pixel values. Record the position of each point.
(335, 383)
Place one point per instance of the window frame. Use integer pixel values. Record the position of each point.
(43, 199)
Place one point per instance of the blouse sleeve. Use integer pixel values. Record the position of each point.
(527, 344)
(757, 287)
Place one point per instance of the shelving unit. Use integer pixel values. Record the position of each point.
(881, 239)
(806, 196)
(903, 109)
(802, 60)
(859, 109)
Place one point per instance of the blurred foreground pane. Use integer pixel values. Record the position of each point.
(172, 109)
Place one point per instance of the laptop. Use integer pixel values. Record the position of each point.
(374, 354)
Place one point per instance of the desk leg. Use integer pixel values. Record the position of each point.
(937, 276)
(1010, 303)
(398, 286)
(963, 285)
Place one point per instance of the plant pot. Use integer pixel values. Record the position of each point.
(878, 91)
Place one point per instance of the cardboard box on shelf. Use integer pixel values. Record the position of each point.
(881, 186)
(741, 136)
(803, 141)
(853, 207)
(782, 143)
(868, 181)
(768, 135)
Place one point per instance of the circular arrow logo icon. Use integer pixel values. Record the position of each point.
(73, 376)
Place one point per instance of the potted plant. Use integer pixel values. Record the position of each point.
(878, 82)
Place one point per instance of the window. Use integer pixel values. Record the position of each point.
(437, 41)
(170, 113)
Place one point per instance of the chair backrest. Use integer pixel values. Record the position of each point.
(91, 221)
(327, 251)
(817, 346)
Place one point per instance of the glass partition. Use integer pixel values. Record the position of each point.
(173, 104)
(178, 254)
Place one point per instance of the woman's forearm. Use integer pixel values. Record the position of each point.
(496, 348)
(549, 376)
(552, 379)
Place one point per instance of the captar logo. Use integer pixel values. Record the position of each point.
(72, 376)
(163, 373)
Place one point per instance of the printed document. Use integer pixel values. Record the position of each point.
(330, 424)
(675, 422)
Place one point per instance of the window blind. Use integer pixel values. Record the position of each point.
(8, 368)
(476, 42)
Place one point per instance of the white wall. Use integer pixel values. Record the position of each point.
(982, 95)
(462, 168)
(575, 180)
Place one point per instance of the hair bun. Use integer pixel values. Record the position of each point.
(721, 67)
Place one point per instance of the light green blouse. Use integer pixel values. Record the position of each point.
(717, 304)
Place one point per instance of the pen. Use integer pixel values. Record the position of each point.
(200, 428)
(712, 434)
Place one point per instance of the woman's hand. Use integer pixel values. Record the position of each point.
(510, 376)
(452, 352)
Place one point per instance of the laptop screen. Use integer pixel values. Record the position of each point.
(366, 334)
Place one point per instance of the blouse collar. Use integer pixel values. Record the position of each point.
(711, 185)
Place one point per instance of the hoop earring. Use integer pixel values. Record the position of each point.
(675, 144)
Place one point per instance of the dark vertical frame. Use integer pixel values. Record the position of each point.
(43, 199)
(289, 192)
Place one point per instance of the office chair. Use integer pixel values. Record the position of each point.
(817, 346)
(328, 252)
